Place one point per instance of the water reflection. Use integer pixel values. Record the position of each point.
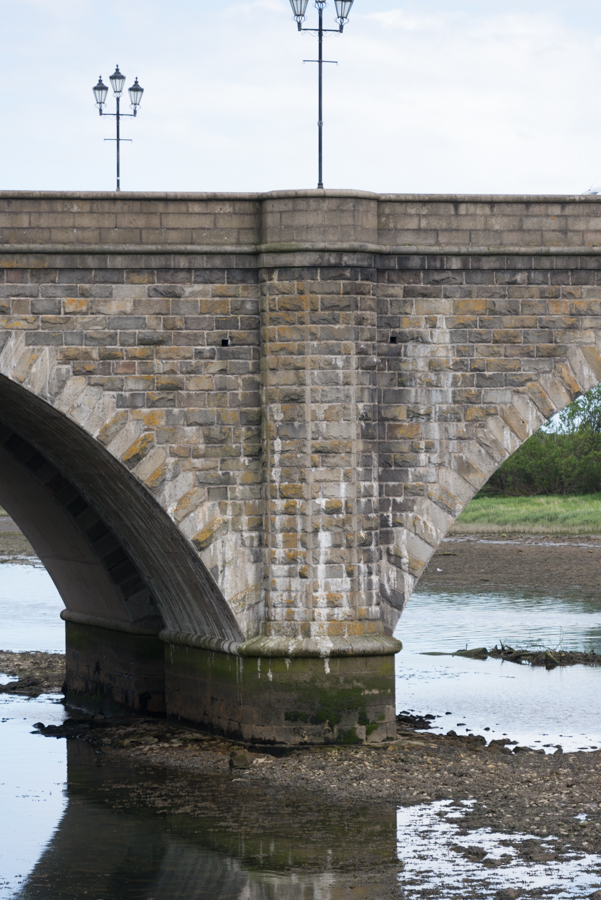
(249, 844)
(112, 846)
(32, 779)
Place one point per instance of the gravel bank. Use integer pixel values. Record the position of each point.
(38, 673)
(514, 790)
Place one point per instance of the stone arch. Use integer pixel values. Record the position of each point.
(113, 552)
(486, 437)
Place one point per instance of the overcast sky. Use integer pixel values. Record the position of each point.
(436, 97)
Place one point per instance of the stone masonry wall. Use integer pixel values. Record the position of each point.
(311, 384)
(162, 367)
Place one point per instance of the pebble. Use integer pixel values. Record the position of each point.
(239, 760)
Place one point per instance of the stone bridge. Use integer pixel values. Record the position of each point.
(235, 428)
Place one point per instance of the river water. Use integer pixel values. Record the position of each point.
(62, 841)
(536, 707)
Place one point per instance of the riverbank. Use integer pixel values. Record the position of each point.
(520, 561)
(540, 515)
(14, 546)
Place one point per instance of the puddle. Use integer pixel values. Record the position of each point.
(440, 860)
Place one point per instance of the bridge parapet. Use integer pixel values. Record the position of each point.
(255, 223)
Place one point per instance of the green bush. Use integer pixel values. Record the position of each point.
(564, 457)
(551, 464)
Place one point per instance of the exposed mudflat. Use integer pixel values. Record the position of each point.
(543, 563)
(38, 673)
(515, 790)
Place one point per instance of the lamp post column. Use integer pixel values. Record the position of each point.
(117, 80)
(320, 118)
(118, 145)
(299, 8)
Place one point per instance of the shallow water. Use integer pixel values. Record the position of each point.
(75, 826)
(531, 705)
(430, 841)
(30, 608)
(32, 781)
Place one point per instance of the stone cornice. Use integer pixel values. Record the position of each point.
(298, 194)
(289, 648)
(300, 247)
(284, 228)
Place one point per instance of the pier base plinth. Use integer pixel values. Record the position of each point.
(283, 701)
(112, 672)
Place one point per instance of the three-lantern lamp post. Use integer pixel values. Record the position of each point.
(117, 80)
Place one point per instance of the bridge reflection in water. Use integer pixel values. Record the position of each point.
(111, 844)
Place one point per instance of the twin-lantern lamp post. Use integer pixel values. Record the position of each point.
(299, 8)
(117, 80)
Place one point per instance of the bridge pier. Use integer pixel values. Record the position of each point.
(112, 672)
(236, 427)
(262, 699)
(290, 701)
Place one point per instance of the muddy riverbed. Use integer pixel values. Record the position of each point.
(521, 561)
(32, 673)
(515, 789)
(490, 809)
(432, 814)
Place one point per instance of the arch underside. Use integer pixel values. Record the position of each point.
(112, 551)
